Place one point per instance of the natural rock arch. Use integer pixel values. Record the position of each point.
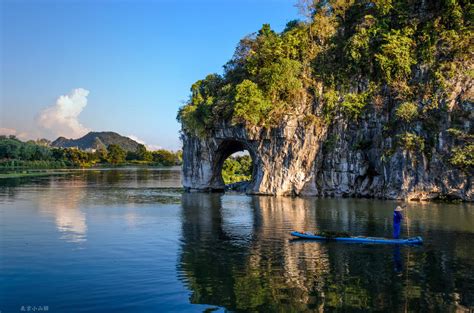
(283, 160)
(290, 160)
(226, 148)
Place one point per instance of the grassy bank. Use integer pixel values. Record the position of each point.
(25, 174)
(38, 164)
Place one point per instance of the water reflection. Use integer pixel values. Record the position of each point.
(61, 202)
(397, 259)
(224, 263)
(145, 245)
(65, 195)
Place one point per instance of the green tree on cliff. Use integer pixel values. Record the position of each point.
(343, 58)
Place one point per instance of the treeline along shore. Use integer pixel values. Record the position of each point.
(39, 154)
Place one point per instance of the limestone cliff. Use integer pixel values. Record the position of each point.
(363, 99)
(342, 158)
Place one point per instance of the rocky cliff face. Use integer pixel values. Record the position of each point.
(342, 158)
(283, 159)
(357, 164)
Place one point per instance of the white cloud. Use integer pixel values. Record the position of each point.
(153, 147)
(148, 147)
(13, 132)
(61, 119)
(7, 131)
(133, 137)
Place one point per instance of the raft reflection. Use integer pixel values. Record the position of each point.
(236, 253)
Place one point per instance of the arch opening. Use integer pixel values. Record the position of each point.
(234, 166)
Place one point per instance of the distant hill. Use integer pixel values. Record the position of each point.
(96, 140)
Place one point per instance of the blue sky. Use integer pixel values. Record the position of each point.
(137, 59)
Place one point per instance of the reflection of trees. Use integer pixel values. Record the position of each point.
(206, 257)
(266, 272)
(221, 270)
(9, 186)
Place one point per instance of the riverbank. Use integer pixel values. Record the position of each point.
(6, 173)
(24, 174)
(20, 165)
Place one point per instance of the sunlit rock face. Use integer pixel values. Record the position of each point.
(283, 158)
(363, 161)
(345, 157)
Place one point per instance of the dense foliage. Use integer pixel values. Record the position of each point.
(38, 154)
(463, 154)
(346, 57)
(236, 169)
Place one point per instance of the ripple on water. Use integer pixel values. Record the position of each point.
(129, 241)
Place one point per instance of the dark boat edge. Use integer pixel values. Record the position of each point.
(366, 240)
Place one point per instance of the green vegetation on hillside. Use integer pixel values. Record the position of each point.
(463, 154)
(18, 154)
(346, 57)
(97, 140)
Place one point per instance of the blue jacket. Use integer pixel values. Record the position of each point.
(397, 217)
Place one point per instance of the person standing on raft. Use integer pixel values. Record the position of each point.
(397, 219)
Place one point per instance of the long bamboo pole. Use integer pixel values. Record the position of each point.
(408, 260)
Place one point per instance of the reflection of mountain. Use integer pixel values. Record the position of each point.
(244, 261)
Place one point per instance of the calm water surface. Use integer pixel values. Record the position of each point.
(129, 240)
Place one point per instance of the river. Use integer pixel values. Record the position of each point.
(129, 240)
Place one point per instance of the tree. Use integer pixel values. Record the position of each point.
(251, 106)
(463, 157)
(165, 157)
(77, 157)
(9, 148)
(407, 111)
(197, 115)
(43, 142)
(396, 54)
(281, 80)
(116, 154)
(344, 47)
(236, 169)
(142, 154)
(101, 155)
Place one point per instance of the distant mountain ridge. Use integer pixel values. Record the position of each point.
(97, 140)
